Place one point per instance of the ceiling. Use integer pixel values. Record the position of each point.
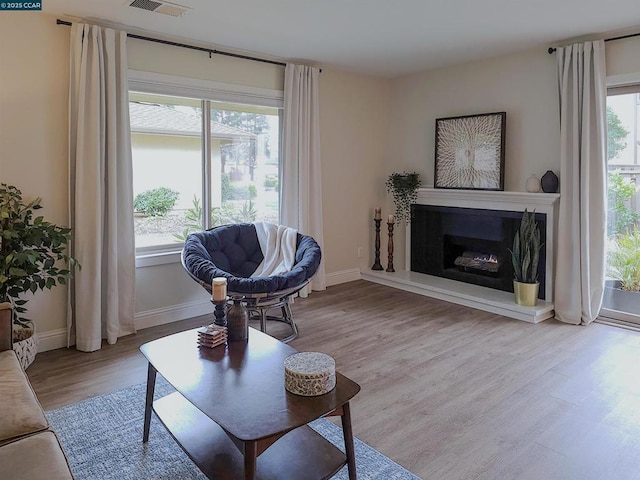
(386, 38)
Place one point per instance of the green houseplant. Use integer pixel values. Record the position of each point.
(404, 188)
(622, 292)
(624, 260)
(32, 255)
(525, 257)
(620, 191)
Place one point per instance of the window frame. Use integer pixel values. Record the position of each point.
(619, 85)
(206, 91)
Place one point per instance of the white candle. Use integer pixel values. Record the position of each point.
(219, 288)
(378, 215)
(392, 219)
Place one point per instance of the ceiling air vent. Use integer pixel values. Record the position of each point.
(160, 7)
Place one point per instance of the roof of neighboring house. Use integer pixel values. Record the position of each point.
(163, 119)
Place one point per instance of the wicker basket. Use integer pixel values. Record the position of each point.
(26, 349)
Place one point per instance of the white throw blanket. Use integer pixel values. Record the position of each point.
(278, 245)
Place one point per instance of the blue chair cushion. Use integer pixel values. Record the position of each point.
(233, 252)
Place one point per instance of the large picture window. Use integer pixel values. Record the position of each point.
(200, 163)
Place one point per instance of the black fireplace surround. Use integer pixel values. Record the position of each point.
(469, 245)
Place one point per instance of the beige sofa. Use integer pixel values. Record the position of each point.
(28, 449)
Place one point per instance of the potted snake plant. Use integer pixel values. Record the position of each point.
(525, 257)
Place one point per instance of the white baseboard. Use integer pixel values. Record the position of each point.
(172, 313)
(150, 318)
(342, 276)
(52, 340)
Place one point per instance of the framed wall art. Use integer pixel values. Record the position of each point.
(470, 152)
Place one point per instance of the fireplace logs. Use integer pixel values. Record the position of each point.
(481, 263)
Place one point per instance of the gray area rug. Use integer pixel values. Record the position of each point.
(102, 438)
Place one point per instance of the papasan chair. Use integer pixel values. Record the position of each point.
(234, 252)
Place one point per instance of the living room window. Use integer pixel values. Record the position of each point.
(622, 292)
(190, 174)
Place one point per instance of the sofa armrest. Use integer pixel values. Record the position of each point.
(6, 335)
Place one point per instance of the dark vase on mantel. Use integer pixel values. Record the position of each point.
(549, 182)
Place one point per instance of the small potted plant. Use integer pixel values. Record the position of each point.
(404, 188)
(32, 257)
(525, 257)
(622, 292)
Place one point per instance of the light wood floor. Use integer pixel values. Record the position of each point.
(447, 391)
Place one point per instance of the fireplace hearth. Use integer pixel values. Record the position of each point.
(469, 245)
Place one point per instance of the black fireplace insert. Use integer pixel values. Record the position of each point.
(469, 245)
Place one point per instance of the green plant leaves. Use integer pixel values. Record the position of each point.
(219, 216)
(525, 255)
(155, 202)
(621, 217)
(31, 250)
(404, 188)
(624, 260)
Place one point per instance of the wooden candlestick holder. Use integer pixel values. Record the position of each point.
(376, 263)
(220, 312)
(390, 248)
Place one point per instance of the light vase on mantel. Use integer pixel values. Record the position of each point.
(526, 293)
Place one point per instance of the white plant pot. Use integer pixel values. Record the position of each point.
(26, 350)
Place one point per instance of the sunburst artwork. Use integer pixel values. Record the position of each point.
(470, 152)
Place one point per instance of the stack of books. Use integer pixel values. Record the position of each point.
(211, 336)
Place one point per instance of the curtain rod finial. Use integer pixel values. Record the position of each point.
(551, 50)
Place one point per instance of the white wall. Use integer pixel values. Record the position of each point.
(154, 57)
(623, 56)
(34, 72)
(523, 85)
(354, 131)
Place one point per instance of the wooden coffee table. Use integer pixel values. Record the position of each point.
(232, 415)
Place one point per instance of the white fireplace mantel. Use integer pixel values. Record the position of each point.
(490, 200)
(472, 295)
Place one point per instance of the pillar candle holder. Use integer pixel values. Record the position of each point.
(220, 312)
(390, 248)
(376, 263)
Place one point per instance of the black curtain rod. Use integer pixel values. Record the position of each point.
(191, 47)
(631, 35)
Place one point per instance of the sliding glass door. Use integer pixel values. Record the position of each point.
(622, 289)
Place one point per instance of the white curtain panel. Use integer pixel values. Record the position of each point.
(580, 265)
(301, 199)
(100, 187)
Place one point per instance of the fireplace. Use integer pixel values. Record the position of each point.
(474, 246)
(469, 245)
